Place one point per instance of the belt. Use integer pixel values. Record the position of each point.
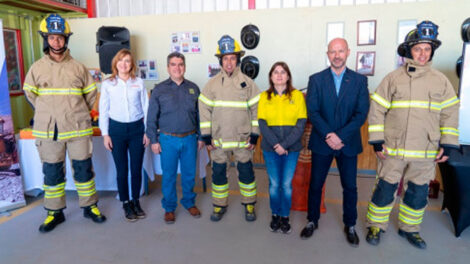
(180, 135)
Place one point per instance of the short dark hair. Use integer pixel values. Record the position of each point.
(175, 55)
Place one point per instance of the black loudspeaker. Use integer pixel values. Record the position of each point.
(110, 40)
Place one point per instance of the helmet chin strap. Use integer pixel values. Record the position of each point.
(58, 51)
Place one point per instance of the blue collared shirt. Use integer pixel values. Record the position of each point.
(338, 79)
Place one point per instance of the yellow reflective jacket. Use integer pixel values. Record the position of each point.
(414, 111)
(228, 109)
(62, 94)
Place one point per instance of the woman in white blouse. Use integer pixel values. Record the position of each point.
(123, 109)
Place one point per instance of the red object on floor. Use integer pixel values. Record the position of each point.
(301, 180)
(434, 187)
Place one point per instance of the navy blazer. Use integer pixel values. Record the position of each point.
(343, 114)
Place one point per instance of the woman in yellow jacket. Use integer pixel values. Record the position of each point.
(282, 116)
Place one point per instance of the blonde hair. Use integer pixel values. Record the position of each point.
(121, 54)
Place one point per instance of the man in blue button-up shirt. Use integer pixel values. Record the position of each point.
(173, 130)
(337, 105)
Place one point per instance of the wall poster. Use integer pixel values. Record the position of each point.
(11, 184)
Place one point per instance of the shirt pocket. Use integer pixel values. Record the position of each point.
(168, 103)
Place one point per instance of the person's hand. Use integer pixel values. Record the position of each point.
(156, 148)
(334, 141)
(440, 156)
(146, 141)
(280, 150)
(381, 154)
(108, 143)
(211, 146)
(250, 146)
(200, 144)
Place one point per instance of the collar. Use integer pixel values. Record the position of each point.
(234, 73)
(67, 57)
(169, 81)
(413, 68)
(338, 76)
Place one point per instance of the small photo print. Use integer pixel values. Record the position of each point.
(152, 75)
(365, 62)
(152, 65)
(142, 63)
(96, 74)
(143, 73)
(213, 69)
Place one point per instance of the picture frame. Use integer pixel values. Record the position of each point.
(14, 60)
(366, 32)
(405, 26)
(365, 63)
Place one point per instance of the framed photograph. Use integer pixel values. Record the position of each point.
(14, 60)
(365, 62)
(366, 32)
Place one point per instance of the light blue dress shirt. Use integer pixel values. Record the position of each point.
(338, 79)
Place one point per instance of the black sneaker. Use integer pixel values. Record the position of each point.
(53, 219)
(285, 226)
(414, 238)
(94, 214)
(308, 230)
(275, 223)
(373, 236)
(129, 212)
(250, 214)
(138, 210)
(218, 213)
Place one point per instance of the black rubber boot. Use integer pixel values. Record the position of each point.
(94, 213)
(53, 219)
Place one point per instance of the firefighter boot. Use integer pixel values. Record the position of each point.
(53, 219)
(414, 238)
(250, 214)
(218, 213)
(94, 213)
(373, 236)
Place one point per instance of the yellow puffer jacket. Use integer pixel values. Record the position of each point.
(414, 111)
(62, 94)
(228, 109)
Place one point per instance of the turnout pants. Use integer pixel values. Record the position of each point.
(416, 177)
(246, 175)
(52, 154)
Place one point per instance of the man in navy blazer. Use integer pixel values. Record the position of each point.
(337, 106)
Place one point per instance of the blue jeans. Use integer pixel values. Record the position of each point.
(176, 149)
(280, 171)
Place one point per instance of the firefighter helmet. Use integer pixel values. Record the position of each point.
(54, 24)
(227, 45)
(425, 32)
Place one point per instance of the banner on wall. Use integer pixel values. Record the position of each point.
(11, 185)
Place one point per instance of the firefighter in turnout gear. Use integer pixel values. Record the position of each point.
(413, 124)
(62, 93)
(228, 121)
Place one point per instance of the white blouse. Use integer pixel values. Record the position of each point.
(122, 101)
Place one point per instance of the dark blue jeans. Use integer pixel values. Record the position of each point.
(128, 137)
(280, 170)
(347, 167)
(184, 151)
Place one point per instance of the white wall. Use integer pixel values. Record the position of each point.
(296, 36)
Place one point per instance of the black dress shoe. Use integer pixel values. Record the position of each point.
(307, 232)
(351, 236)
(414, 238)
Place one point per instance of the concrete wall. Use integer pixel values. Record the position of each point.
(296, 36)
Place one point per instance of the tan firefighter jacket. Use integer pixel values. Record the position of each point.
(228, 109)
(62, 94)
(414, 111)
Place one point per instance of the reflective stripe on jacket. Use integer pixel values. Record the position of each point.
(62, 94)
(414, 111)
(228, 109)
